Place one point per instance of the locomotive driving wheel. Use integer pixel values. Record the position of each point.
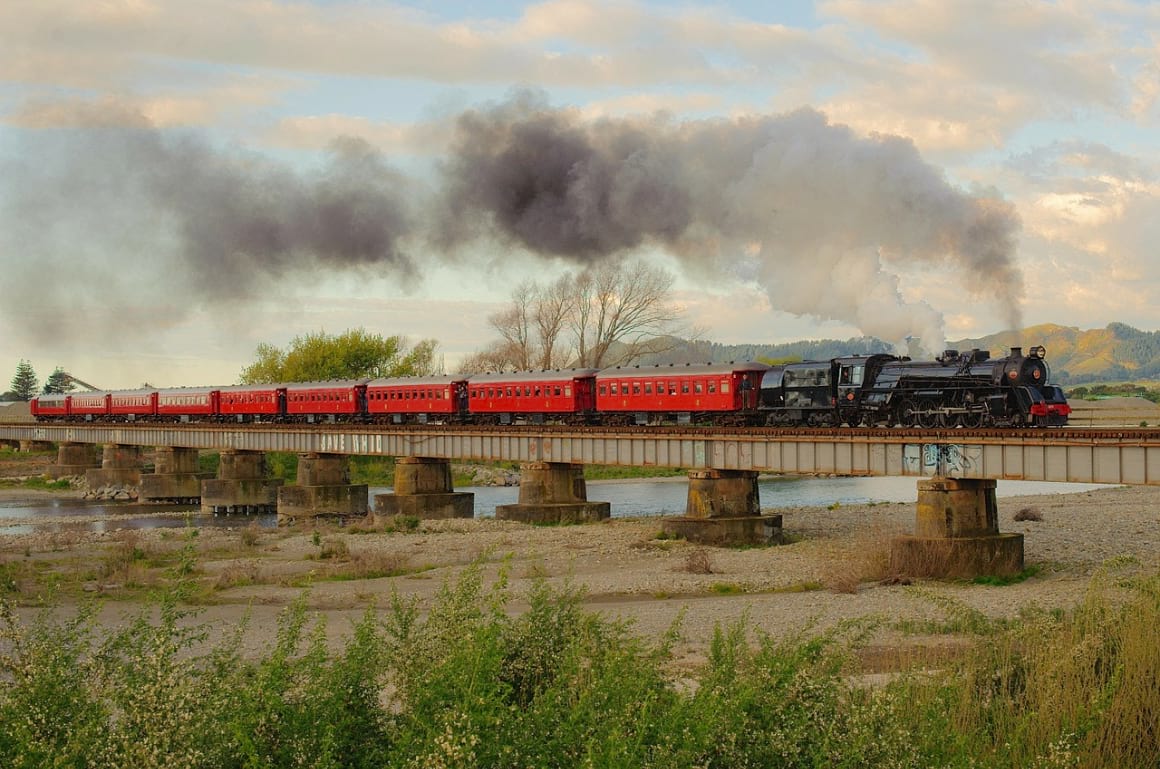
(907, 414)
(927, 414)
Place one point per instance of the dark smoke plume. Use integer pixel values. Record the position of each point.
(131, 216)
(816, 213)
(823, 219)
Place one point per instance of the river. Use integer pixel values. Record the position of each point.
(629, 499)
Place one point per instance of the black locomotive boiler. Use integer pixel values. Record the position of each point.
(956, 389)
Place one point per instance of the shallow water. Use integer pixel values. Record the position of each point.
(629, 499)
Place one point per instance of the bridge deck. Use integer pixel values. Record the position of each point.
(1127, 456)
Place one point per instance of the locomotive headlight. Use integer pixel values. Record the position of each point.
(1036, 374)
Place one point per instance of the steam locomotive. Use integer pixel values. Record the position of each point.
(956, 389)
(969, 390)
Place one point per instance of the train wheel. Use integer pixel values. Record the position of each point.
(927, 415)
(972, 419)
(908, 414)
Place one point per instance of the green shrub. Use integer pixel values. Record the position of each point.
(465, 683)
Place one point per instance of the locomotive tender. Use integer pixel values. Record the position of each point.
(967, 390)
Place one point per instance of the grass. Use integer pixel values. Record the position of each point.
(35, 482)
(469, 682)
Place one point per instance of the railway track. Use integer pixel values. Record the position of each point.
(1142, 435)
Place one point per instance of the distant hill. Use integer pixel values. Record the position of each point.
(1113, 354)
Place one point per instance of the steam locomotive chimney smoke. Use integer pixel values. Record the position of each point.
(821, 217)
(824, 220)
(135, 216)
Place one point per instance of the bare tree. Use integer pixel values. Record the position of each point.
(614, 314)
(552, 307)
(622, 311)
(514, 324)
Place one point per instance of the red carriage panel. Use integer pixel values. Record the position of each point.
(668, 389)
(187, 402)
(533, 392)
(133, 403)
(344, 397)
(441, 395)
(90, 404)
(49, 406)
(252, 400)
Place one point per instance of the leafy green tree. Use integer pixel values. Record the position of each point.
(59, 382)
(354, 354)
(24, 383)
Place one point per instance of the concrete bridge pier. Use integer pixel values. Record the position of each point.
(35, 445)
(956, 533)
(73, 459)
(241, 485)
(120, 466)
(423, 490)
(723, 508)
(174, 477)
(324, 489)
(553, 492)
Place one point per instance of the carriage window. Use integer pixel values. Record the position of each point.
(556, 391)
(509, 392)
(567, 391)
(613, 388)
(712, 387)
(528, 390)
(636, 388)
(725, 386)
(648, 388)
(603, 389)
(698, 387)
(672, 388)
(684, 387)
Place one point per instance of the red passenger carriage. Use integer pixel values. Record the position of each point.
(186, 404)
(50, 406)
(683, 393)
(568, 395)
(417, 399)
(131, 405)
(89, 405)
(257, 402)
(337, 400)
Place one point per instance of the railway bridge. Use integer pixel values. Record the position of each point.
(956, 529)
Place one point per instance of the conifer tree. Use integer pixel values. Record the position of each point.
(59, 382)
(24, 383)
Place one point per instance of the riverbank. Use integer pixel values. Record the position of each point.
(833, 568)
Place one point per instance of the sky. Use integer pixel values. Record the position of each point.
(180, 182)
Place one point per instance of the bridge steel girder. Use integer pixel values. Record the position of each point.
(1127, 460)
